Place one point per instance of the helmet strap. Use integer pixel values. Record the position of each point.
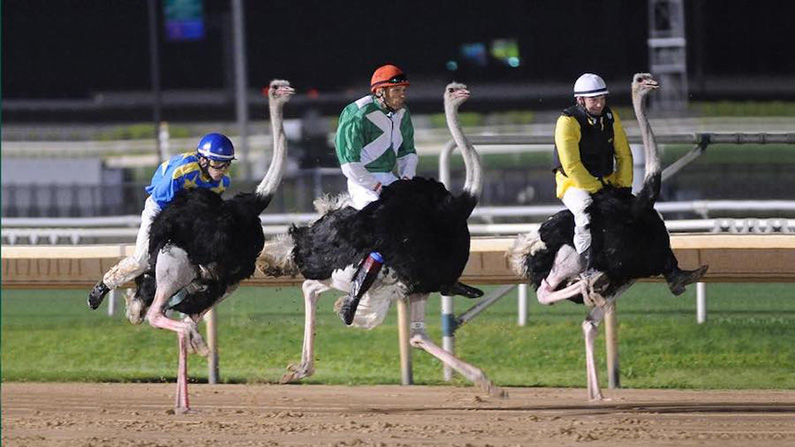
(204, 164)
(379, 96)
(581, 104)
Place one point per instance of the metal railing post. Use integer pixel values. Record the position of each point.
(448, 331)
(448, 305)
(701, 302)
(522, 304)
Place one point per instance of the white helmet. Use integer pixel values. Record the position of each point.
(589, 85)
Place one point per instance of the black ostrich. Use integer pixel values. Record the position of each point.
(630, 241)
(420, 229)
(202, 246)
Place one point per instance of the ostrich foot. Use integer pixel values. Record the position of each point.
(493, 390)
(593, 287)
(461, 289)
(297, 372)
(598, 399)
(473, 374)
(136, 309)
(681, 278)
(196, 343)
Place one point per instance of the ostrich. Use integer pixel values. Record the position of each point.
(202, 246)
(421, 230)
(630, 241)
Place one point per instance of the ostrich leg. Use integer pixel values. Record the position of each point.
(312, 290)
(182, 406)
(590, 330)
(173, 272)
(420, 340)
(567, 265)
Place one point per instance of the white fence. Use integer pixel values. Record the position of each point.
(25, 230)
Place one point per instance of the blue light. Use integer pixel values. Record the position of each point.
(452, 65)
(513, 62)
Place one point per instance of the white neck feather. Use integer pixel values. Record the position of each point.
(270, 182)
(649, 143)
(474, 171)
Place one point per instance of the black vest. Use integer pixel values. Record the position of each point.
(596, 142)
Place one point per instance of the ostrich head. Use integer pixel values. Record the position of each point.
(643, 84)
(455, 94)
(279, 92)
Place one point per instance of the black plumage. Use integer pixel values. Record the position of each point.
(629, 240)
(417, 225)
(224, 236)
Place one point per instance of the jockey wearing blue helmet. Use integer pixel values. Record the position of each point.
(206, 168)
(215, 152)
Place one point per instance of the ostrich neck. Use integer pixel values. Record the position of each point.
(649, 144)
(474, 172)
(267, 187)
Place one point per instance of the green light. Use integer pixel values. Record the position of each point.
(452, 65)
(513, 62)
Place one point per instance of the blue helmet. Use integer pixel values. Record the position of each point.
(217, 147)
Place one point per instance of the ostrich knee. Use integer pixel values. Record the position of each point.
(543, 292)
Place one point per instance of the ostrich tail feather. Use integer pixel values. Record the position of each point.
(329, 202)
(525, 246)
(277, 257)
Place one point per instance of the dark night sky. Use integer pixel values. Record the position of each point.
(71, 48)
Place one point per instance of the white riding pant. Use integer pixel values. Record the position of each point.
(131, 267)
(361, 196)
(577, 200)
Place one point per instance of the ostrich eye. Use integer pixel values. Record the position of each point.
(450, 90)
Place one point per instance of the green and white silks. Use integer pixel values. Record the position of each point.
(371, 145)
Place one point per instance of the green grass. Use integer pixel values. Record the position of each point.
(140, 131)
(744, 108)
(716, 154)
(734, 154)
(747, 343)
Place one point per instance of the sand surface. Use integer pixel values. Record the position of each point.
(56, 414)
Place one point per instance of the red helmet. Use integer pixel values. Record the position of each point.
(388, 76)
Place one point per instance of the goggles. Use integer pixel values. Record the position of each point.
(219, 165)
(397, 79)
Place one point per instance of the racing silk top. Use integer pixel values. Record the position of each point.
(585, 150)
(181, 172)
(368, 137)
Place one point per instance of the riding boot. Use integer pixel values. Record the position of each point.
(362, 280)
(97, 295)
(677, 279)
(587, 263)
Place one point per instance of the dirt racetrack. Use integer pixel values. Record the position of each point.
(55, 414)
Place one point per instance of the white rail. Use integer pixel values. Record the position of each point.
(77, 235)
(487, 213)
